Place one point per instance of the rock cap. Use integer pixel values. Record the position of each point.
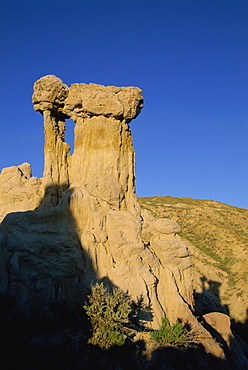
(109, 101)
(49, 93)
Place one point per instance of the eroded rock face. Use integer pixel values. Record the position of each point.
(88, 226)
(19, 191)
(43, 260)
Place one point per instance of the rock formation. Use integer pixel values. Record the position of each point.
(19, 191)
(48, 97)
(103, 158)
(83, 222)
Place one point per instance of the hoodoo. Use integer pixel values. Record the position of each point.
(83, 223)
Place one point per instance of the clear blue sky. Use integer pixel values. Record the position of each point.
(188, 56)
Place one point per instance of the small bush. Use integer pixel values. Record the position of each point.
(108, 313)
(175, 334)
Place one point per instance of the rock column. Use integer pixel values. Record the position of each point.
(48, 98)
(103, 158)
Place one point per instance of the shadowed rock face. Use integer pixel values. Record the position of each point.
(88, 226)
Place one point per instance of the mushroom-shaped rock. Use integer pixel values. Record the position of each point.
(87, 100)
(49, 93)
(48, 98)
(102, 139)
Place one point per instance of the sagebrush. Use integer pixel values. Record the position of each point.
(175, 334)
(108, 312)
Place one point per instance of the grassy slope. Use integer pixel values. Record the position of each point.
(217, 235)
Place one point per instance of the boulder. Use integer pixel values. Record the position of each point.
(220, 328)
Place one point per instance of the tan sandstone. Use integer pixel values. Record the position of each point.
(84, 222)
(19, 191)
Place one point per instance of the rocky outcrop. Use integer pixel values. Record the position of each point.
(216, 235)
(19, 191)
(173, 272)
(84, 222)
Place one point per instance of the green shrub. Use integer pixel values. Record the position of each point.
(108, 313)
(175, 334)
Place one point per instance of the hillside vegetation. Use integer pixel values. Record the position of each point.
(217, 236)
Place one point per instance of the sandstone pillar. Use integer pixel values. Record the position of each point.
(103, 158)
(48, 97)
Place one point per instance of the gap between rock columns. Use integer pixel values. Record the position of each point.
(55, 152)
